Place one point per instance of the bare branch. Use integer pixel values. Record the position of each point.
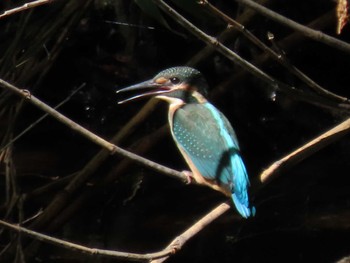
(306, 31)
(280, 58)
(53, 210)
(344, 260)
(227, 33)
(32, 125)
(91, 136)
(311, 98)
(180, 240)
(87, 250)
(215, 43)
(24, 7)
(306, 150)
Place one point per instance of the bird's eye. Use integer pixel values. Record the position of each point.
(175, 80)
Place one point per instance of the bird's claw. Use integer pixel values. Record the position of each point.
(26, 93)
(189, 177)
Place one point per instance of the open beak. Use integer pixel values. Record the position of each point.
(152, 87)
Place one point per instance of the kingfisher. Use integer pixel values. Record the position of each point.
(201, 132)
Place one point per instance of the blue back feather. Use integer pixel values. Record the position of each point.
(208, 139)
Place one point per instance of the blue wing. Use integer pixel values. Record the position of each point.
(208, 139)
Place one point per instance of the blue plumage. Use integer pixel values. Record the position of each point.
(202, 133)
(207, 138)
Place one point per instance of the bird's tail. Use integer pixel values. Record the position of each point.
(243, 209)
(240, 184)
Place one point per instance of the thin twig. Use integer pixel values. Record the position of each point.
(312, 98)
(32, 125)
(91, 136)
(98, 158)
(226, 34)
(306, 150)
(58, 217)
(306, 31)
(215, 43)
(24, 7)
(87, 250)
(303, 77)
(183, 238)
(287, 43)
(71, 206)
(280, 58)
(180, 240)
(60, 202)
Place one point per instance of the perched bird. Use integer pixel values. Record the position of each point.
(202, 133)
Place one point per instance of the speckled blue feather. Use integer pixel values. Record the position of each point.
(201, 132)
(208, 139)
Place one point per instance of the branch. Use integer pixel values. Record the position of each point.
(24, 7)
(306, 150)
(209, 40)
(180, 240)
(155, 257)
(287, 43)
(91, 136)
(278, 57)
(55, 208)
(311, 98)
(226, 34)
(177, 243)
(87, 250)
(32, 125)
(306, 31)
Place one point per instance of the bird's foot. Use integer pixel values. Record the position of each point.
(189, 177)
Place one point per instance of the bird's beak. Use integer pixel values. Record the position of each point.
(153, 88)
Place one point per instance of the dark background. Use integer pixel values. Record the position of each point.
(302, 215)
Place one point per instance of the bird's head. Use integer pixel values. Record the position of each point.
(183, 83)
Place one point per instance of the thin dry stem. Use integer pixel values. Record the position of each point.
(88, 134)
(279, 57)
(24, 7)
(308, 32)
(84, 249)
(180, 240)
(216, 44)
(306, 150)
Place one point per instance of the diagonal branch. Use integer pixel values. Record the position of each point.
(278, 57)
(91, 136)
(24, 7)
(311, 98)
(306, 150)
(306, 31)
(209, 40)
(32, 125)
(87, 250)
(180, 240)
(156, 257)
(226, 34)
